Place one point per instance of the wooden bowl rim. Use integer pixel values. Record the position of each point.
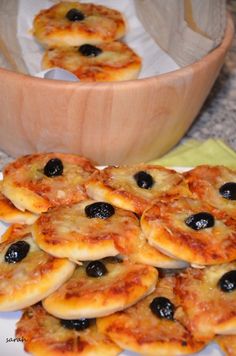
(182, 72)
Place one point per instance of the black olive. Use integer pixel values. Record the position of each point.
(88, 50)
(228, 190)
(227, 282)
(99, 210)
(77, 324)
(200, 221)
(144, 180)
(96, 269)
(163, 308)
(75, 15)
(17, 251)
(53, 168)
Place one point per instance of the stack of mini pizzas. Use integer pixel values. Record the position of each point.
(85, 39)
(139, 258)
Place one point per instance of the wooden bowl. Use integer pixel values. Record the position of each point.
(111, 123)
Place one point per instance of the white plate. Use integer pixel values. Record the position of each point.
(10, 346)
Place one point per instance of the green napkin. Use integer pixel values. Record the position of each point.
(193, 153)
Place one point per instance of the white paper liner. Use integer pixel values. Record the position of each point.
(57, 74)
(154, 60)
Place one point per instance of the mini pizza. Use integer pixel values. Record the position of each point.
(27, 274)
(114, 61)
(45, 335)
(208, 299)
(75, 23)
(10, 214)
(191, 230)
(149, 327)
(216, 185)
(100, 288)
(41, 181)
(136, 187)
(227, 344)
(88, 230)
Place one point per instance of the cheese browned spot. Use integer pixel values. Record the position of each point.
(43, 334)
(52, 28)
(207, 309)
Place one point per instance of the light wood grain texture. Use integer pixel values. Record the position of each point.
(111, 123)
(196, 28)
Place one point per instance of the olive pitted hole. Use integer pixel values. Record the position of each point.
(75, 15)
(163, 308)
(200, 221)
(228, 190)
(99, 210)
(17, 251)
(96, 269)
(77, 324)
(144, 180)
(227, 282)
(53, 168)
(88, 50)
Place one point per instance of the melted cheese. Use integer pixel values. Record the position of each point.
(116, 62)
(101, 24)
(43, 334)
(208, 309)
(205, 182)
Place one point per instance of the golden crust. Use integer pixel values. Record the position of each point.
(10, 214)
(25, 184)
(43, 335)
(207, 309)
(101, 24)
(140, 251)
(165, 228)
(118, 186)
(138, 329)
(116, 62)
(227, 344)
(204, 181)
(89, 297)
(33, 278)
